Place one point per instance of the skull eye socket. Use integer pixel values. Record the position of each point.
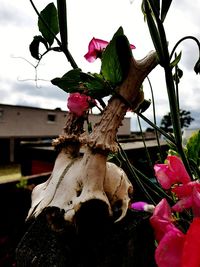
(117, 209)
(78, 192)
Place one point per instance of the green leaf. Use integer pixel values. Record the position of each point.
(34, 46)
(50, 28)
(193, 148)
(98, 87)
(78, 81)
(176, 60)
(69, 82)
(116, 58)
(164, 9)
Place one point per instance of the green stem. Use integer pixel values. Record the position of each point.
(171, 90)
(62, 18)
(132, 171)
(146, 149)
(181, 40)
(154, 119)
(169, 137)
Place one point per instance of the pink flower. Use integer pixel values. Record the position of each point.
(170, 239)
(79, 103)
(175, 248)
(169, 251)
(162, 220)
(191, 255)
(172, 172)
(95, 49)
(189, 195)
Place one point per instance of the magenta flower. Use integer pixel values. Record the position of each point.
(170, 239)
(189, 197)
(79, 103)
(172, 172)
(95, 49)
(142, 206)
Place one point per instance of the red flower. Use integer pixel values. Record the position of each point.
(172, 172)
(95, 49)
(79, 103)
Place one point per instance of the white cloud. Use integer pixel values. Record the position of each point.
(85, 20)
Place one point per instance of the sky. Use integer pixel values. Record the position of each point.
(88, 19)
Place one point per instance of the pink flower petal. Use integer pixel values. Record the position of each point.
(182, 204)
(161, 220)
(171, 172)
(132, 46)
(177, 166)
(189, 195)
(196, 202)
(164, 176)
(169, 250)
(95, 48)
(191, 252)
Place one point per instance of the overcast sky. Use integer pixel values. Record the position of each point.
(87, 19)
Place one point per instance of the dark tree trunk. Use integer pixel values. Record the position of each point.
(89, 242)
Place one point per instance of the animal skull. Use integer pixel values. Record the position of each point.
(77, 180)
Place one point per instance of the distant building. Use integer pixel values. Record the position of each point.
(20, 123)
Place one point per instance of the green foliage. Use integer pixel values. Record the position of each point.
(116, 58)
(193, 148)
(22, 183)
(115, 65)
(176, 60)
(48, 23)
(77, 81)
